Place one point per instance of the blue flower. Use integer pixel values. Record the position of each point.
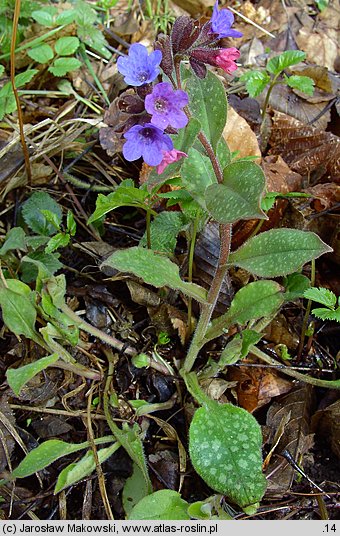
(165, 105)
(147, 141)
(139, 67)
(221, 22)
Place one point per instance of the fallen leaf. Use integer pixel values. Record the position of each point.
(279, 332)
(326, 423)
(239, 136)
(256, 386)
(305, 148)
(325, 195)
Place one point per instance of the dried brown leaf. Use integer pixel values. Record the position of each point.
(326, 422)
(239, 136)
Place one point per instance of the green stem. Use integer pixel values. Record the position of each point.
(108, 339)
(307, 313)
(191, 265)
(264, 109)
(329, 384)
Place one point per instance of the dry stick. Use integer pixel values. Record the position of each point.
(15, 91)
(99, 470)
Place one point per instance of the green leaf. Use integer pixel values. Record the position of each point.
(239, 195)
(123, 196)
(22, 79)
(182, 141)
(62, 66)
(254, 301)
(15, 239)
(33, 216)
(321, 295)
(135, 489)
(42, 53)
(17, 378)
(29, 266)
(208, 103)
(65, 46)
(225, 449)
(2, 70)
(197, 174)
(164, 230)
(43, 17)
(295, 284)
(18, 312)
(84, 467)
(154, 269)
(327, 314)
(278, 252)
(60, 240)
(7, 99)
(284, 60)
(302, 83)
(71, 225)
(255, 81)
(163, 504)
(66, 17)
(322, 4)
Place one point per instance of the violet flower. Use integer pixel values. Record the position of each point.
(139, 67)
(169, 157)
(164, 104)
(221, 22)
(147, 141)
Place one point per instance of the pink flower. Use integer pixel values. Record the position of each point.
(169, 157)
(226, 59)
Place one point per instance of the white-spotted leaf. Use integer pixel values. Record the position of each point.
(240, 194)
(278, 252)
(153, 269)
(225, 449)
(197, 174)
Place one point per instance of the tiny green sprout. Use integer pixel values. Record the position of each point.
(282, 351)
(28, 422)
(163, 338)
(140, 361)
(95, 401)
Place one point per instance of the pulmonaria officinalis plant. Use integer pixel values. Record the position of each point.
(173, 118)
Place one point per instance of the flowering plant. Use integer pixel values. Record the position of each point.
(174, 119)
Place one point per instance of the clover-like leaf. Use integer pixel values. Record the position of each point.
(240, 194)
(42, 53)
(278, 252)
(154, 269)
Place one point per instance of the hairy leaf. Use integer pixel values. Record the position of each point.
(126, 195)
(17, 378)
(18, 312)
(208, 103)
(225, 449)
(33, 216)
(153, 269)
(197, 174)
(239, 195)
(278, 252)
(134, 490)
(163, 504)
(255, 81)
(321, 295)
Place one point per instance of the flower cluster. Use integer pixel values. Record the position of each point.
(146, 116)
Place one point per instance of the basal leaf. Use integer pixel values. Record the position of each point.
(278, 252)
(18, 312)
(295, 285)
(255, 81)
(30, 265)
(197, 174)
(84, 467)
(302, 83)
(225, 449)
(164, 230)
(240, 194)
(208, 103)
(42, 53)
(284, 60)
(153, 269)
(33, 216)
(163, 504)
(17, 378)
(135, 489)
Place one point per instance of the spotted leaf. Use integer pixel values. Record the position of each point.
(225, 449)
